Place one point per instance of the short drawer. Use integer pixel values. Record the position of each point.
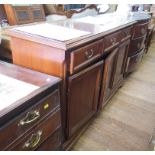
(136, 45)
(53, 143)
(39, 134)
(140, 30)
(28, 119)
(134, 61)
(126, 33)
(112, 40)
(85, 55)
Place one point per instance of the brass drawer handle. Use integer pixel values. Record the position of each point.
(89, 54)
(152, 142)
(136, 60)
(127, 65)
(143, 31)
(34, 140)
(126, 33)
(113, 40)
(138, 45)
(29, 118)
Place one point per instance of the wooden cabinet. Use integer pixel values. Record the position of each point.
(114, 68)
(2, 13)
(83, 95)
(121, 62)
(91, 66)
(109, 65)
(134, 61)
(23, 14)
(137, 45)
(26, 123)
(29, 118)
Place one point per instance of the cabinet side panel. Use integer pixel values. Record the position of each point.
(38, 57)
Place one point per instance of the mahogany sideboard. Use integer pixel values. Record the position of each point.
(31, 121)
(92, 66)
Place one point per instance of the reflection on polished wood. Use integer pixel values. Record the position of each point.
(127, 122)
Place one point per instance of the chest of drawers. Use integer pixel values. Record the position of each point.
(28, 122)
(137, 45)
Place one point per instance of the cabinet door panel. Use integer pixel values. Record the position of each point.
(22, 15)
(83, 93)
(109, 69)
(121, 62)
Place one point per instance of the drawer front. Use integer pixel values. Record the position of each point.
(136, 45)
(28, 119)
(126, 33)
(53, 143)
(39, 134)
(112, 40)
(85, 55)
(134, 61)
(140, 30)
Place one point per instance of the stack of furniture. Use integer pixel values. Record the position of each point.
(92, 66)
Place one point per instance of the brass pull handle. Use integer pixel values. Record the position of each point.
(89, 54)
(138, 45)
(113, 41)
(126, 33)
(34, 140)
(152, 140)
(136, 60)
(127, 65)
(30, 117)
(143, 30)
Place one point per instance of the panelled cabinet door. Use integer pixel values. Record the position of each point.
(22, 14)
(83, 95)
(109, 70)
(121, 62)
(37, 13)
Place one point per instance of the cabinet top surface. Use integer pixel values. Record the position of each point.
(18, 85)
(64, 34)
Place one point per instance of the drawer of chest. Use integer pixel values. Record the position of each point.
(140, 30)
(28, 119)
(125, 33)
(134, 61)
(112, 40)
(83, 56)
(39, 134)
(136, 45)
(53, 143)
